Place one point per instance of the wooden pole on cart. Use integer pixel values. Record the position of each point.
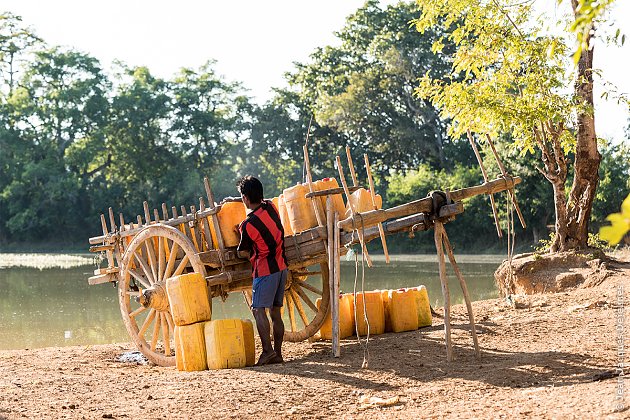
(437, 236)
(485, 179)
(462, 283)
(337, 277)
(347, 192)
(355, 182)
(309, 179)
(505, 175)
(334, 289)
(368, 170)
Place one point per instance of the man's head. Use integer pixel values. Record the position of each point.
(251, 190)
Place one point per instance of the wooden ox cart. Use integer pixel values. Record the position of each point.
(142, 255)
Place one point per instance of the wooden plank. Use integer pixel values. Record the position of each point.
(425, 205)
(336, 282)
(101, 278)
(332, 191)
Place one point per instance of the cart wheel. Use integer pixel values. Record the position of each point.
(155, 254)
(301, 293)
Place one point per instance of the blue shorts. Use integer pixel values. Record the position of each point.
(268, 291)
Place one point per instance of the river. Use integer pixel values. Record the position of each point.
(56, 307)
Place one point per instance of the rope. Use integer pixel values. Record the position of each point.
(366, 351)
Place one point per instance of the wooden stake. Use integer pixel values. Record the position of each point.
(147, 215)
(336, 282)
(485, 179)
(438, 229)
(174, 212)
(110, 255)
(112, 222)
(122, 221)
(209, 194)
(505, 175)
(334, 311)
(351, 166)
(206, 225)
(345, 188)
(309, 178)
(164, 211)
(462, 283)
(139, 220)
(368, 170)
(156, 215)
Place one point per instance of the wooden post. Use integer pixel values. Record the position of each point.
(156, 215)
(147, 215)
(164, 211)
(110, 255)
(334, 295)
(215, 223)
(206, 226)
(309, 178)
(368, 170)
(438, 231)
(347, 192)
(505, 175)
(462, 283)
(112, 222)
(337, 279)
(485, 179)
(355, 182)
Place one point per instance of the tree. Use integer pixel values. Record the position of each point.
(362, 90)
(513, 77)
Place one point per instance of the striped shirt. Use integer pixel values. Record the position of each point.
(262, 235)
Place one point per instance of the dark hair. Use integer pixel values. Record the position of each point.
(251, 188)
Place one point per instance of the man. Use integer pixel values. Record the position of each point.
(262, 241)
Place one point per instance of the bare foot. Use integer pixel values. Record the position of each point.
(265, 358)
(276, 359)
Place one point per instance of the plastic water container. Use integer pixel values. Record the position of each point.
(375, 313)
(388, 319)
(403, 310)
(250, 346)
(190, 347)
(346, 318)
(337, 199)
(361, 201)
(275, 203)
(425, 319)
(299, 208)
(230, 216)
(225, 344)
(188, 299)
(284, 216)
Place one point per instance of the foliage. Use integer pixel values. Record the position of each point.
(620, 224)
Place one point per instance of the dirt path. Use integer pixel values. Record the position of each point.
(540, 361)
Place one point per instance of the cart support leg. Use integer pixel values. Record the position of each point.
(333, 257)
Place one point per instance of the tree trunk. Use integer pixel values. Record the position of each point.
(587, 157)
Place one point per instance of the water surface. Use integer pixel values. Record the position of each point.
(56, 307)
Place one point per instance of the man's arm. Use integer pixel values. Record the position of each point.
(246, 245)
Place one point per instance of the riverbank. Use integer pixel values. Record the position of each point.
(552, 355)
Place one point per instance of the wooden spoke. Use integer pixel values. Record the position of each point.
(138, 277)
(305, 297)
(138, 311)
(151, 255)
(169, 321)
(145, 267)
(171, 260)
(161, 258)
(166, 335)
(156, 331)
(311, 288)
(299, 307)
(147, 322)
(181, 266)
(291, 310)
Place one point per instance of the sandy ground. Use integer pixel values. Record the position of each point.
(541, 359)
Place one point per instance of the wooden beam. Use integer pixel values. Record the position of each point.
(425, 205)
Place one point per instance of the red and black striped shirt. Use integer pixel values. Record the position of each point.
(262, 235)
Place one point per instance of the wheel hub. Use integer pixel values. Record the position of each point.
(154, 297)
